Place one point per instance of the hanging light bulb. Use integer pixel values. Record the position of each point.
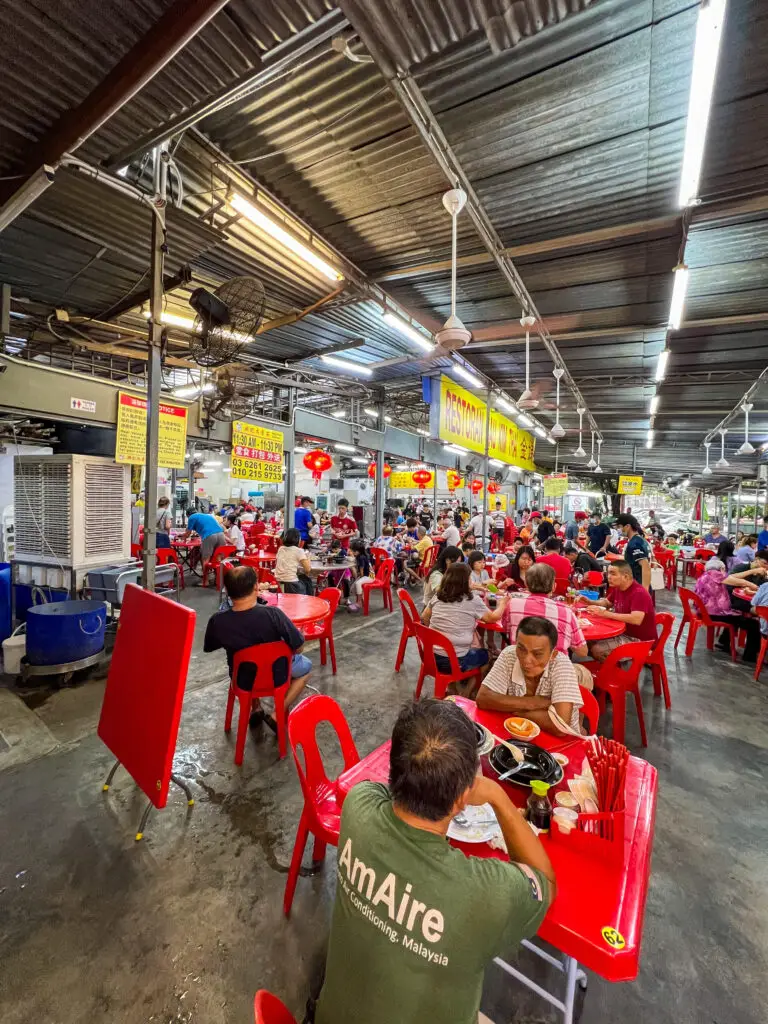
(707, 470)
(580, 453)
(558, 430)
(591, 464)
(746, 448)
(527, 399)
(722, 462)
(598, 467)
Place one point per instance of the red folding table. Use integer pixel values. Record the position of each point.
(596, 920)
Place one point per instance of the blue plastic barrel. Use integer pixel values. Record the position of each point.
(6, 623)
(65, 631)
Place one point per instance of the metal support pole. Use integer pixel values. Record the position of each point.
(173, 496)
(484, 510)
(5, 310)
(730, 515)
(757, 496)
(702, 502)
(154, 371)
(738, 507)
(289, 490)
(381, 484)
(434, 496)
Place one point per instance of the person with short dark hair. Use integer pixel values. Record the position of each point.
(360, 570)
(552, 555)
(532, 676)
(303, 519)
(447, 557)
(343, 525)
(598, 534)
(415, 921)
(514, 573)
(208, 528)
(745, 552)
(637, 553)
(762, 537)
(292, 565)
(248, 623)
(163, 524)
(626, 601)
(480, 577)
(581, 561)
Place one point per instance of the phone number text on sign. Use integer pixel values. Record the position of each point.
(257, 453)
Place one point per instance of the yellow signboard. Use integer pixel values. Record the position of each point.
(404, 481)
(257, 453)
(492, 499)
(555, 485)
(630, 485)
(462, 422)
(131, 440)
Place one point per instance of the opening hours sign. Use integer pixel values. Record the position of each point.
(257, 453)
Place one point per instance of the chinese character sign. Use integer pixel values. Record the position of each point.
(257, 453)
(462, 422)
(131, 441)
(555, 485)
(630, 485)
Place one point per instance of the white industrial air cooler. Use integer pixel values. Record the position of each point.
(72, 512)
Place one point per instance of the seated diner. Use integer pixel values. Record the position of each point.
(712, 588)
(532, 676)
(292, 565)
(540, 580)
(626, 601)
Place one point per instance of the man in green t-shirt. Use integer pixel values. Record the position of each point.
(415, 921)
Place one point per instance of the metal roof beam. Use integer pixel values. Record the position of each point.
(149, 55)
(423, 120)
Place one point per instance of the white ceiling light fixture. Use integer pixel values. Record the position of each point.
(598, 467)
(722, 462)
(661, 365)
(580, 453)
(709, 28)
(746, 448)
(453, 334)
(649, 439)
(408, 330)
(707, 471)
(348, 365)
(679, 292)
(359, 460)
(172, 319)
(558, 430)
(192, 390)
(591, 464)
(525, 420)
(551, 440)
(470, 378)
(345, 447)
(212, 465)
(527, 399)
(387, 419)
(402, 466)
(370, 412)
(496, 462)
(300, 450)
(654, 405)
(422, 431)
(258, 217)
(339, 413)
(502, 403)
(538, 430)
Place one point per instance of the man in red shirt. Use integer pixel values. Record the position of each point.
(628, 602)
(553, 556)
(343, 525)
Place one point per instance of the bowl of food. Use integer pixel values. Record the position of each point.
(521, 728)
(544, 767)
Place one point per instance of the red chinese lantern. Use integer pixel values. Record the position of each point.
(421, 478)
(476, 486)
(318, 462)
(453, 480)
(493, 487)
(372, 470)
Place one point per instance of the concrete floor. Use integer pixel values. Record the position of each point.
(186, 925)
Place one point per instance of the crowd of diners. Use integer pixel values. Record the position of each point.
(515, 584)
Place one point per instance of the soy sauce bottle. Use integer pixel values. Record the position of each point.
(539, 809)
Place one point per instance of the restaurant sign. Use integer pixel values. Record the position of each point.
(630, 485)
(403, 481)
(555, 485)
(131, 440)
(257, 453)
(461, 420)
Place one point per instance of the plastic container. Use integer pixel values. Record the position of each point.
(14, 648)
(65, 631)
(593, 595)
(539, 809)
(6, 623)
(109, 583)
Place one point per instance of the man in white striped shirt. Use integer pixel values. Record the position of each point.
(532, 676)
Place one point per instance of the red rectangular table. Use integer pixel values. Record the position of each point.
(597, 917)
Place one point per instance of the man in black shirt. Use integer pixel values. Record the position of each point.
(248, 623)
(599, 534)
(581, 560)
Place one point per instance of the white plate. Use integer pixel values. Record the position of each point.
(488, 743)
(481, 825)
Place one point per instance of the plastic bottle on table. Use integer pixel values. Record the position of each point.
(539, 808)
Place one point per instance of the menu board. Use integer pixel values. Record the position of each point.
(630, 485)
(555, 485)
(257, 453)
(131, 440)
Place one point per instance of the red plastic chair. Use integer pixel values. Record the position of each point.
(429, 639)
(378, 555)
(136, 551)
(590, 709)
(612, 678)
(410, 621)
(268, 1009)
(695, 615)
(166, 555)
(270, 543)
(214, 563)
(321, 815)
(323, 630)
(562, 583)
(763, 613)
(382, 582)
(263, 656)
(427, 562)
(266, 576)
(667, 560)
(664, 624)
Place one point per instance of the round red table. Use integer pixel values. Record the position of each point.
(300, 608)
(744, 594)
(599, 628)
(611, 556)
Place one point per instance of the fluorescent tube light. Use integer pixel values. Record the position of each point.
(192, 390)
(470, 378)
(387, 419)
(359, 460)
(654, 405)
(525, 420)
(502, 403)
(339, 413)
(709, 28)
(539, 431)
(348, 365)
(495, 462)
(551, 440)
(370, 412)
(408, 330)
(172, 319)
(345, 448)
(679, 291)
(211, 465)
(282, 235)
(661, 365)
